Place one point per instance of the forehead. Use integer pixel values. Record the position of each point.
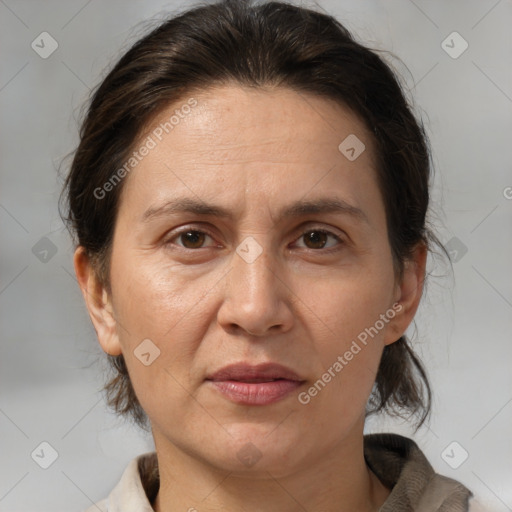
(214, 142)
(256, 119)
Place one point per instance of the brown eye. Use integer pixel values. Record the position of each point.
(190, 239)
(318, 238)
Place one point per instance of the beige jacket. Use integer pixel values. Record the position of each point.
(396, 460)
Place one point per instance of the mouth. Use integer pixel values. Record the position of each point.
(262, 384)
(244, 372)
(256, 381)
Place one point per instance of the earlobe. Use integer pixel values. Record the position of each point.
(98, 302)
(408, 294)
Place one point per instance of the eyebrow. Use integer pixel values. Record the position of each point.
(297, 209)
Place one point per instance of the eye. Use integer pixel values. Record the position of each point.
(316, 238)
(191, 238)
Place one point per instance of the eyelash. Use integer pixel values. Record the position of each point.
(309, 230)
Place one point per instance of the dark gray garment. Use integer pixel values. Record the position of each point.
(401, 466)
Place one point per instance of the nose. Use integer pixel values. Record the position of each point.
(257, 298)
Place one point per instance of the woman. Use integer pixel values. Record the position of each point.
(249, 199)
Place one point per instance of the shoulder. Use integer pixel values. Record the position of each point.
(135, 490)
(100, 506)
(476, 506)
(402, 467)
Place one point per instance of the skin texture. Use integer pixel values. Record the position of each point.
(298, 303)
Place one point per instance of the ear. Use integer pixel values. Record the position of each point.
(98, 303)
(408, 294)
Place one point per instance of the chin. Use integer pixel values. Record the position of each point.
(260, 449)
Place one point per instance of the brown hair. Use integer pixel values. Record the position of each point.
(271, 44)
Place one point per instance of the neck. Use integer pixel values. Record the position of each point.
(338, 481)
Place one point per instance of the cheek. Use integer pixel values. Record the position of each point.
(156, 301)
(349, 316)
(346, 303)
(162, 312)
(348, 347)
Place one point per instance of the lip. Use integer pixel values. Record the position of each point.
(244, 372)
(239, 383)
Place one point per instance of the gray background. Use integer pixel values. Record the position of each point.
(50, 363)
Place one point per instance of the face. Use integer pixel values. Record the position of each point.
(311, 288)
